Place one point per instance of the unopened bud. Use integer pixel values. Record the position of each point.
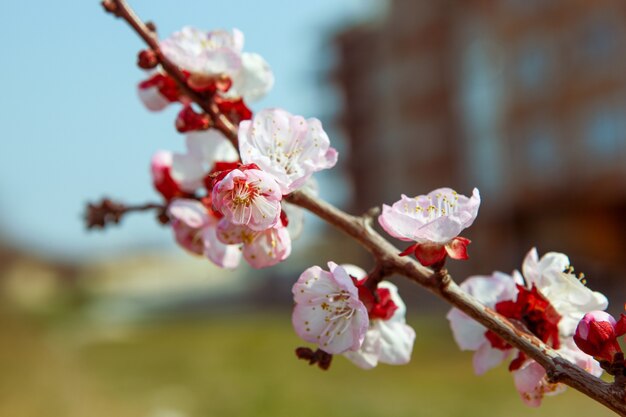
(147, 59)
(110, 6)
(596, 336)
(151, 26)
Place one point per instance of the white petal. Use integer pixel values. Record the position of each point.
(188, 171)
(396, 341)
(190, 212)
(487, 358)
(255, 78)
(467, 332)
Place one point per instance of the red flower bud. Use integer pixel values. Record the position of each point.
(147, 59)
(596, 335)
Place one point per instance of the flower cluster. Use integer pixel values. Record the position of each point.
(233, 203)
(337, 311)
(220, 204)
(214, 66)
(547, 300)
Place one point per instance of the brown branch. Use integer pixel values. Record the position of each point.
(386, 255)
(106, 212)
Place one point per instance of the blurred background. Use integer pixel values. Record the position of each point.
(524, 99)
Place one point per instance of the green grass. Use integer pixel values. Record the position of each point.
(241, 366)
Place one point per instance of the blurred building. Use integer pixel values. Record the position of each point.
(525, 99)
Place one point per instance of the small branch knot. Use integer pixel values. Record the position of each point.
(554, 374)
(111, 6)
(370, 215)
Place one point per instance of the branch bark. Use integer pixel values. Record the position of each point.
(360, 229)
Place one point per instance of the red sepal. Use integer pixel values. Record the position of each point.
(496, 341)
(409, 251)
(188, 120)
(168, 187)
(535, 312)
(236, 110)
(430, 253)
(379, 305)
(165, 84)
(620, 327)
(457, 248)
(384, 308)
(208, 83)
(223, 168)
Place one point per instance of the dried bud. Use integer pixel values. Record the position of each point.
(319, 357)
(596, 335)
(147, 59)
(110, 6)
(151, 26)
(100, 215)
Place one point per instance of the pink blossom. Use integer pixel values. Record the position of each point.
(531, 379)
(207, 56)
(434, 222)
(544, 300)
(195, 230)
(289, 147)
(208, 53)
(249, 198)
(260, 249)
(328, 311)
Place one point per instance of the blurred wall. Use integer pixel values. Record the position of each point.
(525, 99)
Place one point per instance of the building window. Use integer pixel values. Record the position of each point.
(604, 134)
(598, 41)
(542, 154)
(534, 64)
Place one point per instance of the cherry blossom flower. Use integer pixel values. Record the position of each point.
(195, 229)
(248, 197)
(260, 249)
(597, 333)
(204, 149)
(208, 56)
(434, 222)
(545, 301)
(328, 311)
(289, 147)
(388, 339)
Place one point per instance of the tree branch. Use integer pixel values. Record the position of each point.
(386, 255)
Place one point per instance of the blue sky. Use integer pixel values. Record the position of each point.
(73, 129)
